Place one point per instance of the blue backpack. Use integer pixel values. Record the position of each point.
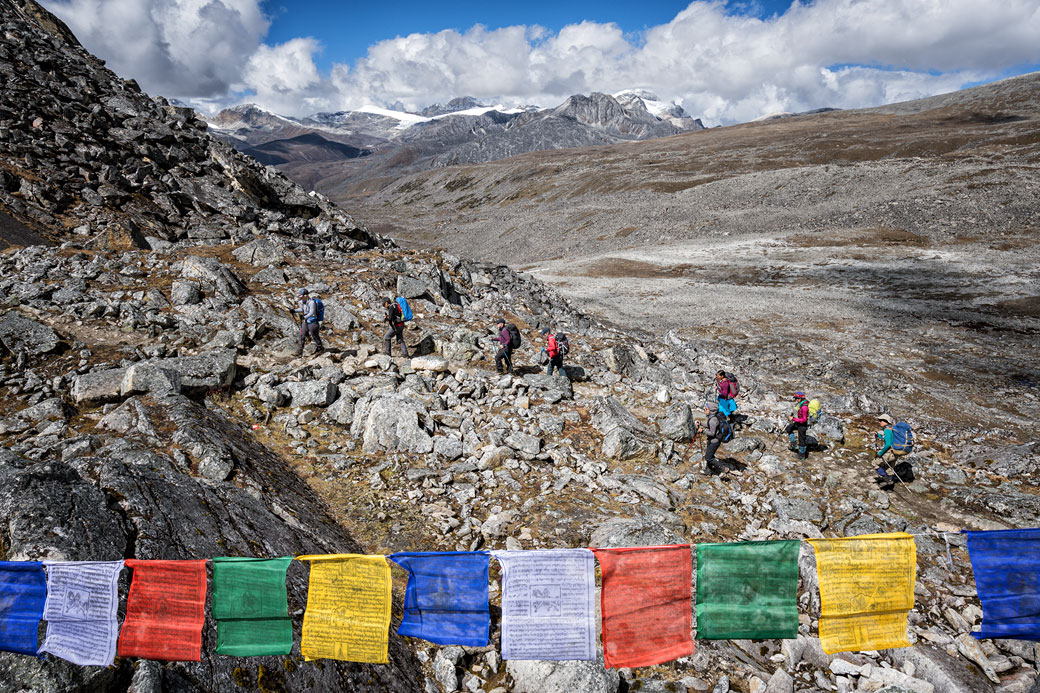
(902, 437)
(406, 311)
(319, 310)
(725, 430)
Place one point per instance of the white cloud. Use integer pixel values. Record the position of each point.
(178, 48)
(723, 67)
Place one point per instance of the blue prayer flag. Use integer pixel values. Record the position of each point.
(23, 590)
(1007, 578)
(446, 600)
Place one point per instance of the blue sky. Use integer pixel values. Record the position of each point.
(724, 62)
(347, 29)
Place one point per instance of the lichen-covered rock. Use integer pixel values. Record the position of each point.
(19, 333)
(562, 677)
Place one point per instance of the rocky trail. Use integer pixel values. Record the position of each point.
(151, 406)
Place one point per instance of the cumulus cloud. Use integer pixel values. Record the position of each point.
(721, 64)
(179, 48)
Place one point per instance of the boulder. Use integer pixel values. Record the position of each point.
(342, 410)
(447, 447)
(608, 413)
(185, 293)
(949, 674)
(409, 287)
(52, 408)
(678, 423)
(391, 422)
(213, 275)
(19, 333)
(527, 444)
(311, 393)
(618, 359)
(260, 252)
(209, 370)
(434, 364)
(620, 444)
(98, 386)
(620, 532)
(550, 383)
(530, 676)
(494, 527)
(150, 377)
(829, 428)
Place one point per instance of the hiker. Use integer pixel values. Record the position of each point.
(726, 390)
(799, 423)
(716, 433)
(555, 347)
(395, 319)
(897, 439)
(505, 350)
(310, 321)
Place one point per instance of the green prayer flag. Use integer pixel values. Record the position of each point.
(747, 590)
(250, 606)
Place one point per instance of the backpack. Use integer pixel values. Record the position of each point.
(725, 429)
(815, 409)
(319, 310)
(902, 437)
(734, 384)
(406, 311)
(514, 336)
(562, 344)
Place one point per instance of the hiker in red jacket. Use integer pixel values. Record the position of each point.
(555, 352)
(799, 423)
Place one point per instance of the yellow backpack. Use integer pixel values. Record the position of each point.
(814, 411)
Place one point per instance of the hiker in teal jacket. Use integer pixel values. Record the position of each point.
(886, 436)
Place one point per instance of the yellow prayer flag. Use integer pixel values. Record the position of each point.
(866, 590)
(348, 608)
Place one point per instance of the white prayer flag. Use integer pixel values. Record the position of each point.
(548, 604)
(82, 598)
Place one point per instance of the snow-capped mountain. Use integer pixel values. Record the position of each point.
(381, 142)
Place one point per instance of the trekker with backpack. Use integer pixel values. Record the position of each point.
(717, 432)
(727, 387)
(556, 346)
(508, 339)
(799, 424)
(898, 439)
(312, 312)
(395, 318)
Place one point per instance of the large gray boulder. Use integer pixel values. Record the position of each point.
(213, 276)
(641, 531)
(550, 383)
(391, 422)
(410, 287)
(260, 252)
(311, 393)
(19, 333)
(678, 423)
(829, 428)
(531, 676)
(342, 410)
(608, 413)
(97, 387)
(150, 377)
(620, 444)
(209, 370)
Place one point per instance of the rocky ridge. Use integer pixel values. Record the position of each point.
(151, 407)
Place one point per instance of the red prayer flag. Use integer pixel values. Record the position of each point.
(647, 604)
(165, 611)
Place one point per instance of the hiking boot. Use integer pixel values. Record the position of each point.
(319, 350)
(802, 454)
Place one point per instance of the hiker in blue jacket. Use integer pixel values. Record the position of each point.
(309, 323)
